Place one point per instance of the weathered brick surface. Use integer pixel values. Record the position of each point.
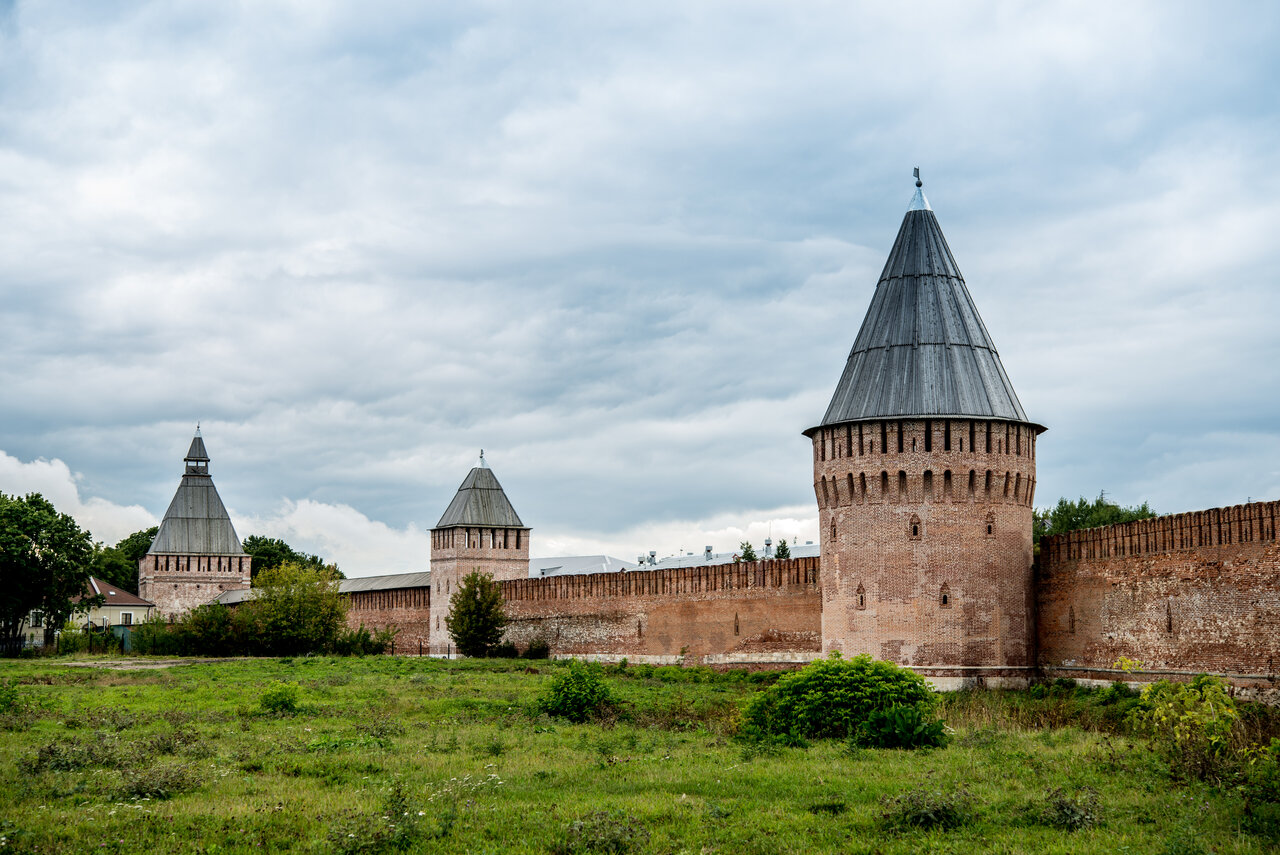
(760, 607)
(406, 609)
(925, 529)
(1191, 592)
(179, 583)
(459, 550)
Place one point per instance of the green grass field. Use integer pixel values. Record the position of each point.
(402, 754)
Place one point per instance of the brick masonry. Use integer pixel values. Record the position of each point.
(1189, 593)
(179, 583)
(406, 609)
(925, 530)
(456, 551)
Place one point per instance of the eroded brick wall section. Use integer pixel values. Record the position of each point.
(757, 607)
(925, 529)
(1191, 592)
(407, 610)
(179, 583)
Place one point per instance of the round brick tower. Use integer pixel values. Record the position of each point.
(924, 471)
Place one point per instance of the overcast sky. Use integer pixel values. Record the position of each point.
(624, 248)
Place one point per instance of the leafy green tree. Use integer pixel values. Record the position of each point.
(784, 551)
(297, 609)
(44, 562)
(477, 614)
(1082, 513)
(270, 552)
(746, 552)
(119, 564)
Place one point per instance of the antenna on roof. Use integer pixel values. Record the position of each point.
(919, 183)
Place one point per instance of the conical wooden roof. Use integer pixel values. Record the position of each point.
(923, 350)
(196, 522)
(480, 501)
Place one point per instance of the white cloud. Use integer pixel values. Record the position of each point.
(106, 521)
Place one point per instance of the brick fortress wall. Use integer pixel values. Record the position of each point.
(751, 613)
(1182, 594)
(925, 528)
(406, 609)
(179, 583)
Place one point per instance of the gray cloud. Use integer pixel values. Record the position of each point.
(626, 250)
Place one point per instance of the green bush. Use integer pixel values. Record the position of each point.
(900, 727)
(1190, 725)
(578, 693)
(609, 832)
(362, 642)
(927, 808)
(1069, 812)
(538, 649)
(832, 698)
(505, 650)
(281, 698)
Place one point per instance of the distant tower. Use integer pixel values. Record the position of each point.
(480, 530)
(924, 471)
(196, 554)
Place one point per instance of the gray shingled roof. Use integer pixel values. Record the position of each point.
(923, 349)
(480, 501)
(196, 522)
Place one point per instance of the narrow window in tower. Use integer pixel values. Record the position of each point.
(639, 630)
(822, 445)
(517, 538)
(987, 487)
(946, 486)
(860, 445)
(852, 492)
(1168, 617)
(900, 438)
(826, 497)
(914, 527)
(1071, 619)
(1019, 432)
(986, 429)
(902, 486)
(862, 596)
(1007, 445)
(884, 486)
(884, 437)
(973, 484)
(928, 436)
(1017, 487)
(833, 531)
(848, 440)
(862, 484)
(991, 523)
(944, 596)
(735, 624)
(946, 437)
(928, 485)
(973, 436)
(1008, 480)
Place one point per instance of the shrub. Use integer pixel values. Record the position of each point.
(1069, 812)
(395, 828)
(538, 649)
(65, 755)
(505, 650)
(900, 727)
(578, 693)
(831, 698)
(362, 642)
(610, 832)
(158, 782)
(927, 808)
(154, 637)
(280, 698)
(1190, 725)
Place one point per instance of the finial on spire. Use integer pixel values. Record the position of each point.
(197, 428)
(918, 201)
(482, 464)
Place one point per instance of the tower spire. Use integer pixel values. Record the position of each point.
(918, 201)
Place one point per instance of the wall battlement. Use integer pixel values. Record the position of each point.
(1250, 523)
(714, 579)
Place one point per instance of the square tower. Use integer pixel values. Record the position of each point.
(480, 530)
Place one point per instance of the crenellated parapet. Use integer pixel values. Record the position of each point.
(717, 579)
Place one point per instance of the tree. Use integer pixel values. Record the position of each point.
(477, 615)
(118, 564)
(1072, 516)
(44, 562)
(746, 552)
(784, 551)
(271, 552)
(297, 609)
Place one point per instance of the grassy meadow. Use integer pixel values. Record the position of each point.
(387, 754)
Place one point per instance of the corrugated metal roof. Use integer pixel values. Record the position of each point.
(480, 501)
(923, 349)
(385, 583)
(196, 522)
(577, 565)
